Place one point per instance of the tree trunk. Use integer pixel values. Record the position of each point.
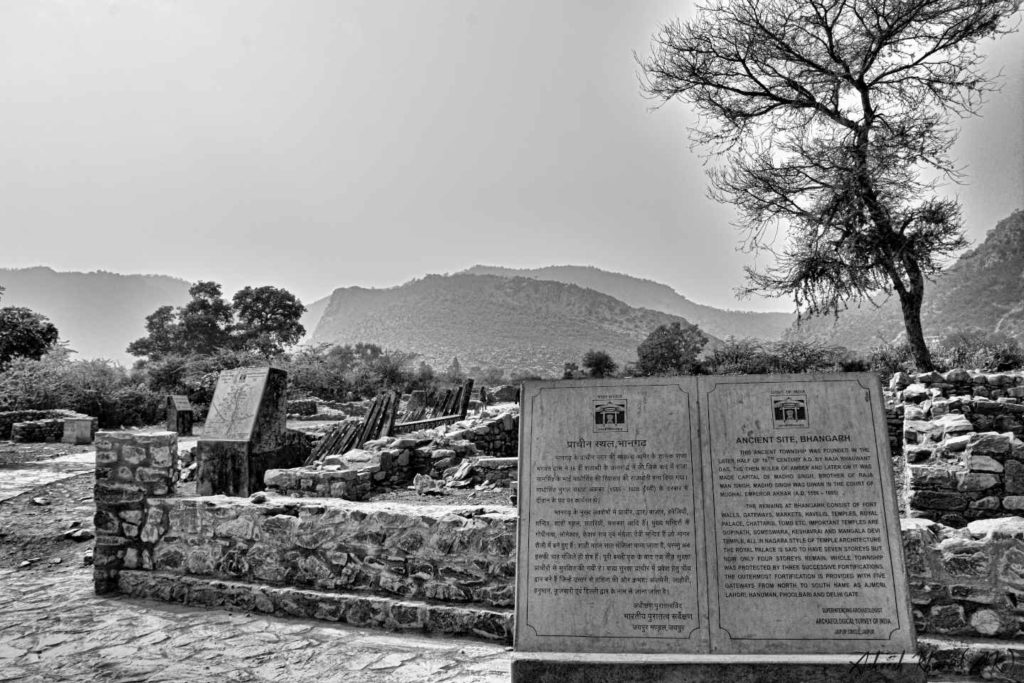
(910, 302)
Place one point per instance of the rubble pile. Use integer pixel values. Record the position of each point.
(429, 460)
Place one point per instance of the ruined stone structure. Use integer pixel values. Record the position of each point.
(130, 470)
(966, 582)
(394, 462)
(961, 433)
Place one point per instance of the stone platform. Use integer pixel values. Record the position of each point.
(619, 668)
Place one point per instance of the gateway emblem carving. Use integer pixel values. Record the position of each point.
(610, 415)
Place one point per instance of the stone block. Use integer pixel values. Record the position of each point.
(957, 444)
(1015, 503)
(926, 477)
(78, 430)
(976, 481)
(1013, 477)
(983, 463)
(986, 503)
(938, 500)
(990, 443)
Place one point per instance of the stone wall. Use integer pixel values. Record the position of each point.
(452, 554)
(497, 437)
(132, 470)
(37, 431)
(52, 429)
(394, 462)
(964, 457)
(966, 582)
(8, 418)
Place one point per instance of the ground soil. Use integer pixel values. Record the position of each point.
(12, 453)
(35, 533)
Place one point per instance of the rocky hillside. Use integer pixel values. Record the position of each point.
(656, 296)
(511, 323)
(984, 288)
(98, 313)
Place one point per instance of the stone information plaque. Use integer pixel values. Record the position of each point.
(800, 506)
(236, 404)
(609, 548)
(734, 516)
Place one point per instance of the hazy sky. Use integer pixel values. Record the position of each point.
(313, 144)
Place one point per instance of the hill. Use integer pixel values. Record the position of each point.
(984, 288)
(512, 323)
(98, 313)
(643, 293)
(311, 317)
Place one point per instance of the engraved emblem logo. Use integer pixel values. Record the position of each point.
(789, 410)
(610, 415)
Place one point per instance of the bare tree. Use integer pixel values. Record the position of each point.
(829, 120)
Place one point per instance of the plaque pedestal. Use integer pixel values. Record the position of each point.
(566, 667)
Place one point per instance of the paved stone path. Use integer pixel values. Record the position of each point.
(53, 628)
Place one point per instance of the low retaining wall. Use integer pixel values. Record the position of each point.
(9, 417)
(966, 582)
(462, 557)
(52, 429)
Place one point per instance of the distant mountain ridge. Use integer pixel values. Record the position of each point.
(644, 293)
(97, 313)
(983, 288)
(512, 323)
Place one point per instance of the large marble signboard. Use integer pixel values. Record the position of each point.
(736, 515)
(609, 540)
(806, 541)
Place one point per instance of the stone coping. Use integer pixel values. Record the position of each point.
(276, 500)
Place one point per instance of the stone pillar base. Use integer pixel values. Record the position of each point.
(563, 667)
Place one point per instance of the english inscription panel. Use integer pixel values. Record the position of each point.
(802, 523)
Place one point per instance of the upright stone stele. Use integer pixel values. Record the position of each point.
(130, 467)
(739, 529)
(179, 415)
(243, 435)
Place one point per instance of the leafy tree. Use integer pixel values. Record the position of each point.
(391, 369)
(163, 335)
(24, 334)
(205, 321)
(670, 350)
(267, 319)
(571, 370)
(454, 372)
(262, 320)
(825, 114)
(599, 364)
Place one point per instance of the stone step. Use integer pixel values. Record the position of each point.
(357, 609)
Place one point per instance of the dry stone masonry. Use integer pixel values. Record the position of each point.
(969, 581)
(475, 450)
(964, 454)
(131, 470)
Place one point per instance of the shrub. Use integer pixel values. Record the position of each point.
(754, 357)
(888, 358)
(976, 349)
(98, 388)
